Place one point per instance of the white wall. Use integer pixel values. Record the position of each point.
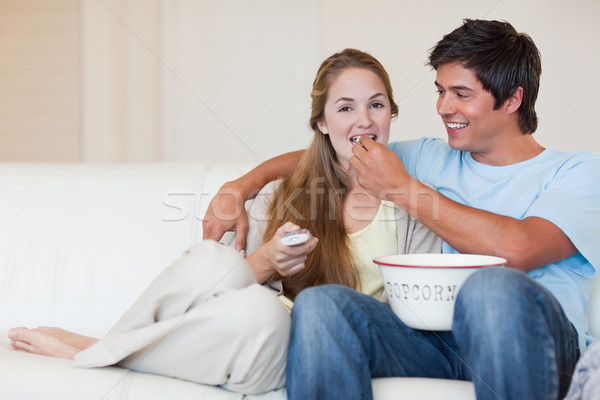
(192, 79)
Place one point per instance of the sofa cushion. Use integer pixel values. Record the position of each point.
(27, 376)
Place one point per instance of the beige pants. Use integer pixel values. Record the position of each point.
(203, 319)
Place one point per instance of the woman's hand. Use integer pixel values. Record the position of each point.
(274, 257)
(287, 260)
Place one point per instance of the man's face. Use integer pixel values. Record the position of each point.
(468, 114)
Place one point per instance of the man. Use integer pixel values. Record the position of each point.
(492, 189)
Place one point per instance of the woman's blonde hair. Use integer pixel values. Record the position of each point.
(313, 196)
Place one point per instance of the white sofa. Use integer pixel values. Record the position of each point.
(78, 243)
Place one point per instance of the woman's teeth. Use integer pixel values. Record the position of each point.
(355, 139)
(454, 125)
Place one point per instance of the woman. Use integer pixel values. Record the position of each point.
(206, 318)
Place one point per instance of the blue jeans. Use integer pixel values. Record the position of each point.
(510, 337)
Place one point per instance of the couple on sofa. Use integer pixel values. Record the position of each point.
(218, 318)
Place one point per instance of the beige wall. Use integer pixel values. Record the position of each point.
(39, 80)
(196, 79)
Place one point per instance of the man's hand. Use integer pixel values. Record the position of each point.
(378, 169)
(226, 212)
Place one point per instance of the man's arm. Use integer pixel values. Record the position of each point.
(527, 244)
(226, 210)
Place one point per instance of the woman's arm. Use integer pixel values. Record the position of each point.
(226, 210)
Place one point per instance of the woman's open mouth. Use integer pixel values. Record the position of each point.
(355, 139)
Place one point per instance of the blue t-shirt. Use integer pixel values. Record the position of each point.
(561, 187)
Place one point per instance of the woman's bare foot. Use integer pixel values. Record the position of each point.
(42, 341)
(71, 338)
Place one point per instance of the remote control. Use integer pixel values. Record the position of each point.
(297, 237)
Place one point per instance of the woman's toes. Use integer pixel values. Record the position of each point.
(14, 333)
(17, 345)
(18, 339)
(39, 342)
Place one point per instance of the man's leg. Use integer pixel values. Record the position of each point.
(341, 339)
(516, 341)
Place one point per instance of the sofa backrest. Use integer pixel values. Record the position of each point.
(79, 242)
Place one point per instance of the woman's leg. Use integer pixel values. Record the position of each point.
(205, 270)
(203, 319)
(238, 340)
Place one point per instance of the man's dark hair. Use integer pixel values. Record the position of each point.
(502, 59)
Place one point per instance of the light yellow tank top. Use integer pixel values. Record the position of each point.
(379, 238)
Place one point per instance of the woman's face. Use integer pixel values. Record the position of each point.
(357, 105)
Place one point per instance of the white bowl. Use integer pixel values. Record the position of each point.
(422, 288)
